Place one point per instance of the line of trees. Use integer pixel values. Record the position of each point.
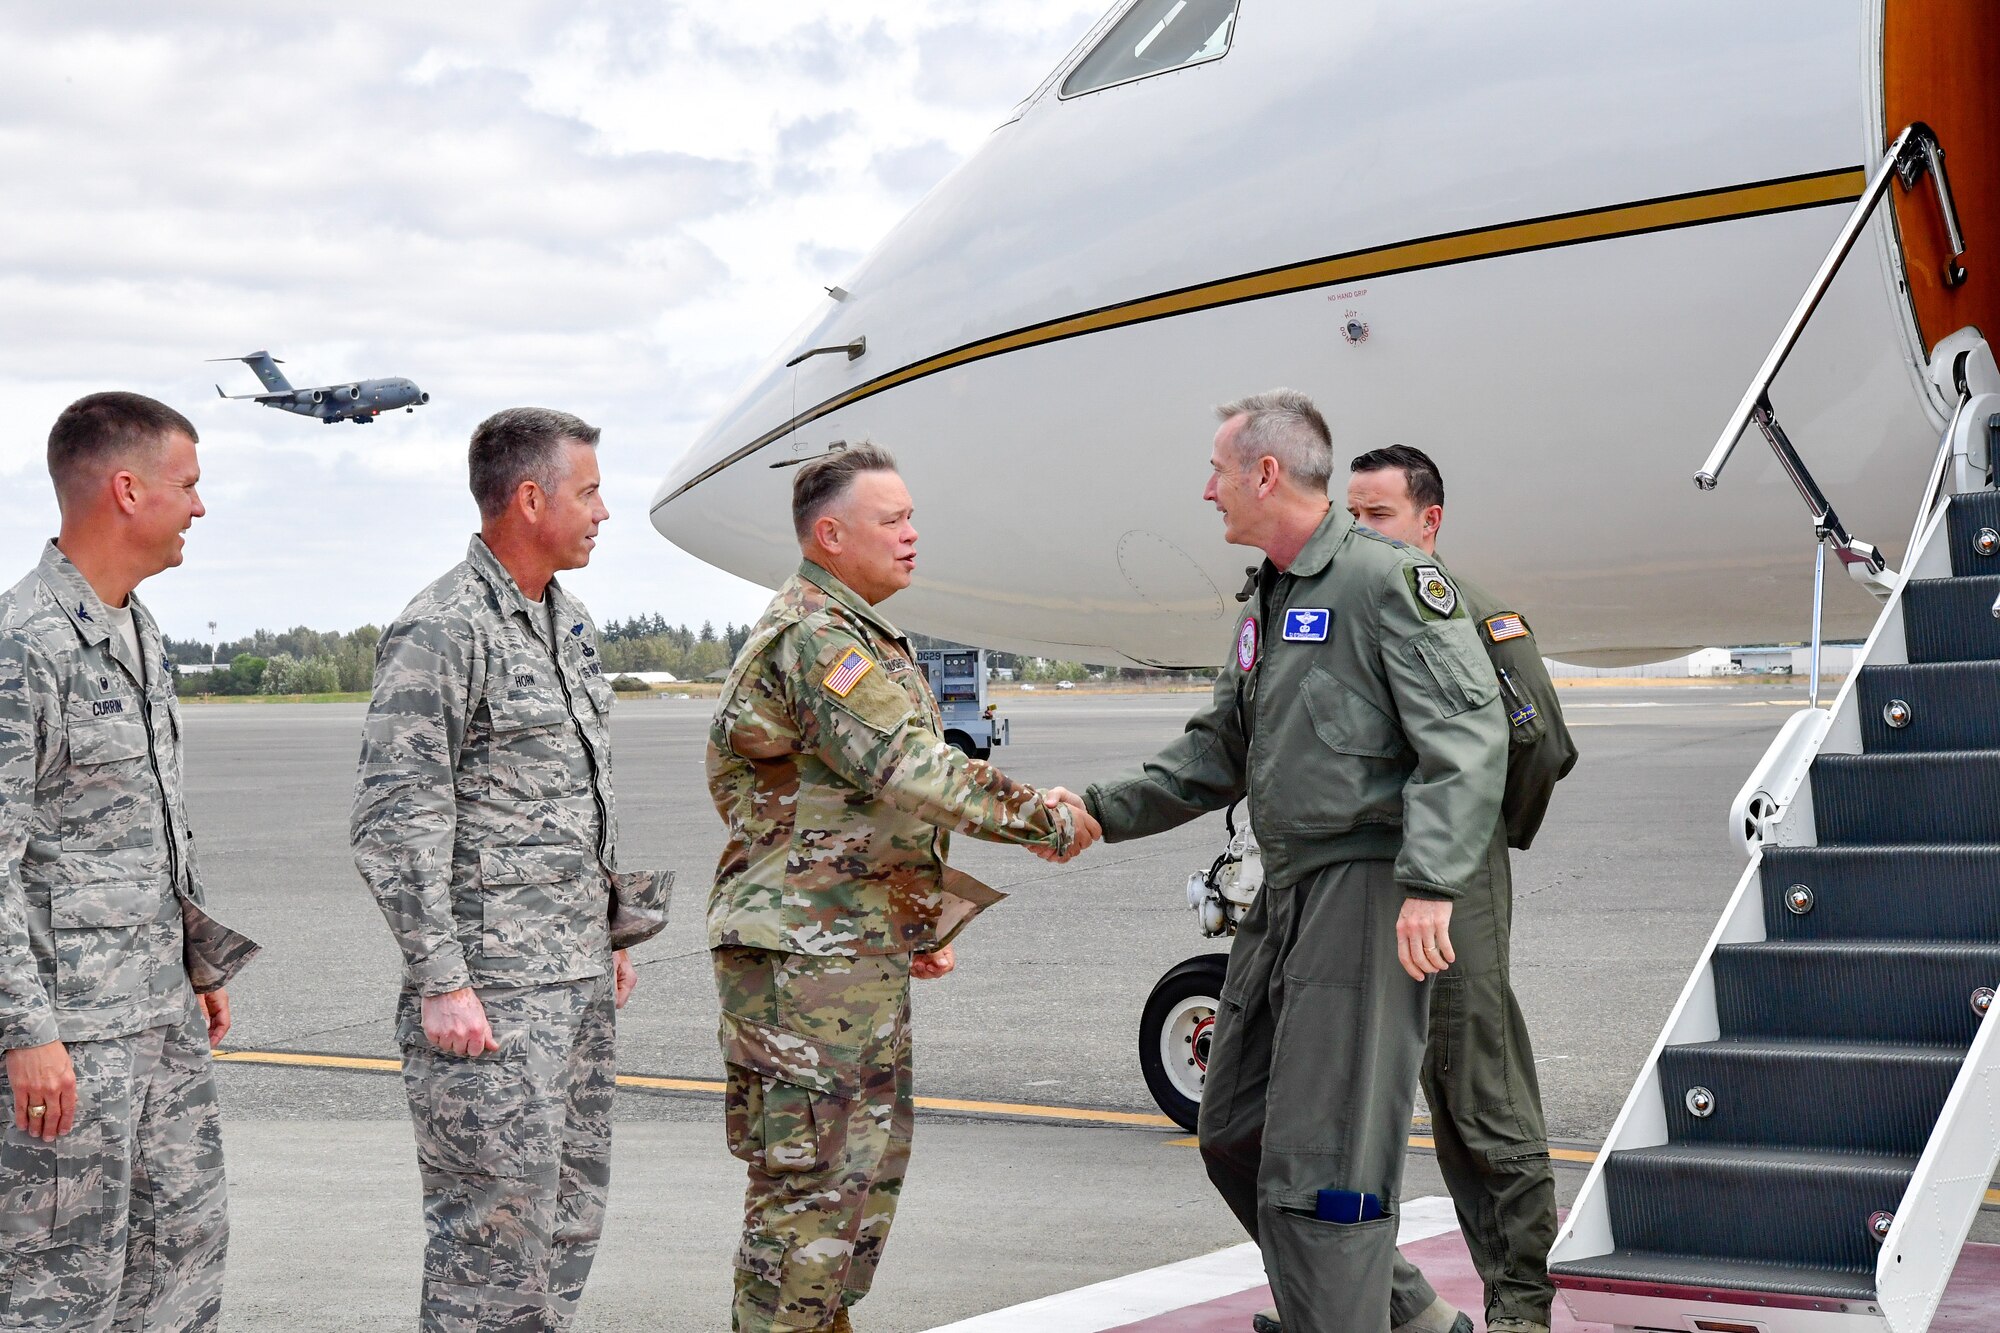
(296, 661)
(649, 643)
(307, 661)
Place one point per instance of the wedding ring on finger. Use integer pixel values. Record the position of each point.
(37, 1112)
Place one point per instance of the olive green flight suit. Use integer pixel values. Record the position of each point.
(1362, 720)
(1479, 1068)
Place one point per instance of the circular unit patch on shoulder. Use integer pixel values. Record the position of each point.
(1246, 644)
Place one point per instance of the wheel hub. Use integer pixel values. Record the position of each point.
(1184, 1044)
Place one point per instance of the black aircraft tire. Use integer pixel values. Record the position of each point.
(1174, 1032)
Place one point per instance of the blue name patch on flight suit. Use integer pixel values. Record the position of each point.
(1307, 625)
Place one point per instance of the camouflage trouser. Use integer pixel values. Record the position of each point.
(514, 1149)
(1486, 1113)
(121, 1223)
(818, 1054)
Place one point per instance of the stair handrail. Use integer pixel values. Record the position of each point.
(1911, 155)
(1934, 487)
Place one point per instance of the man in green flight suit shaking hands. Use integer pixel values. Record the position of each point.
(1361, 718)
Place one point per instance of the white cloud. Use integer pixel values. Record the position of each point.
(615, 207)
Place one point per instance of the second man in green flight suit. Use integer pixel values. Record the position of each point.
(1479, 1070)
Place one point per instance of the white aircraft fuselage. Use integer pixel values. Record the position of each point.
(1549, 243)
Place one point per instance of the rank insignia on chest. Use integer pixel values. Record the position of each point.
(1246, 645)
(847, 673)
(1307, 625)
(1434, 590)
(1506, 626)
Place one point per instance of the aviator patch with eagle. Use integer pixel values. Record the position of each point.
(1437, 598)
(837, 786)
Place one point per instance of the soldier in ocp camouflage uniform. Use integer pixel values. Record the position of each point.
(484, 824)
(112, 1200)
(826, 761)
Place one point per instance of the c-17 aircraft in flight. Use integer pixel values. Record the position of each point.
(360, 402)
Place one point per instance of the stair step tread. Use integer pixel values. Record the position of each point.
(1959, 580)
(1854, 851)
(1855, 948)
(1708, 1273)
(1969, 513)
(1912, 758)
(1813, 1048)
(1809, 1093)
(1871, 891)
(1759, 1157)
(1948, 620)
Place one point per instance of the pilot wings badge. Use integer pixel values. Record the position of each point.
(1434, 589)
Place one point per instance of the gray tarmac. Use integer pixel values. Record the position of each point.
(1613, 904)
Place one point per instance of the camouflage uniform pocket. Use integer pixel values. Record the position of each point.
(44, 1187)
(783, 1128)
(104, 953)
(789, 1097)
(523, 892)
(477, 1117)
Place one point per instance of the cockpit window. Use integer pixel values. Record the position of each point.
(1154, 37)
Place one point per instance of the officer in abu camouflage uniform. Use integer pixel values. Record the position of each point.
(826, 761)
(484, 824)
(112, 1203)
(1361, 719)
(1479, 1070)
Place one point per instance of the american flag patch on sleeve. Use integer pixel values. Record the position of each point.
(847, 672)
(1505, 626)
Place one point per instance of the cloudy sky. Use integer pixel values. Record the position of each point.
(616, 208)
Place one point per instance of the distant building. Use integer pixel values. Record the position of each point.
(1836, 659)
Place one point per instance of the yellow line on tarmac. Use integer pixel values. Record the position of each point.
(1024, 1110)
(307, 1061)
(653, 1083)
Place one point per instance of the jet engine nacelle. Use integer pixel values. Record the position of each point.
(318, 395)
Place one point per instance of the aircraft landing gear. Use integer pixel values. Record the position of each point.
(1178, 1022)
(1174, 1034)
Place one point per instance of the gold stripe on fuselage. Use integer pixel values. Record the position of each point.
(1598, 224)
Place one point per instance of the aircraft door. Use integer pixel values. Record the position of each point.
(1941, 66)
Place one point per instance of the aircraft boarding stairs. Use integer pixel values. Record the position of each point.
(1814, 1132)
(1812, 1137)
